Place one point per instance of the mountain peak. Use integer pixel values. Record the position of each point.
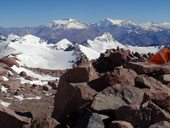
(118, 22)
(67, 24)
(106, 37)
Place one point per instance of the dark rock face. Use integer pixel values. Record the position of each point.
(89, 120)
(120, 124)
(116, 96)
(23, 74)
(111, 59)
(142, 117)
(9, 119)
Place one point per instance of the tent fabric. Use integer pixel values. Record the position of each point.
(162, 57)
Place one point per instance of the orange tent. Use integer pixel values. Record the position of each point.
(163, 56)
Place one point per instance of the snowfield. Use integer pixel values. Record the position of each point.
(33, 52)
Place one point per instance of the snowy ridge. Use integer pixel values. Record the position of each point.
(119, 22)
(37, 53)
(67, 24)
(151, 26)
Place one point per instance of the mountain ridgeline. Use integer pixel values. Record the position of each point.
(123, 31)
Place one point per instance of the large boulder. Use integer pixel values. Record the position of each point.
(71, 97)
(9, 119)
(10, 61)
(147, 68)
(142, 117)
(119, 75)
(116, 96)
(73, 89)
(157, 92)
(83, 73)
(120, 124)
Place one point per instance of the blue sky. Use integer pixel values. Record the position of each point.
(19, 13)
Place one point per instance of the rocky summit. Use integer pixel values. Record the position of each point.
(120, 89)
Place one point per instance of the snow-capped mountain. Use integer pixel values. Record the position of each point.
(34, 52)
(109, 21)
(63, 44)
(2, 37)
(106, 41)
(124, 31)
(151, 26)
(101, 43)
(67, 24)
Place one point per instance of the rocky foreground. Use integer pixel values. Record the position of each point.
(118, 90)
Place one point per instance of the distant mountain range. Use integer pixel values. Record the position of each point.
(123, 31)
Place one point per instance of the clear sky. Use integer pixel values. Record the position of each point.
(18, 13)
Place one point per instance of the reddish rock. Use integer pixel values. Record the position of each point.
(3, 71)
(1, 79)
(116, 96)
(120, 76)
(84, 73)
(157, 92)
(120, 124)
(12, 85)
(9, 119)
(147, 68)
(10, 61)
(45, 122)
(71, 97)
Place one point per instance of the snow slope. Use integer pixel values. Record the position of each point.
(89, 53)
(35, 53)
